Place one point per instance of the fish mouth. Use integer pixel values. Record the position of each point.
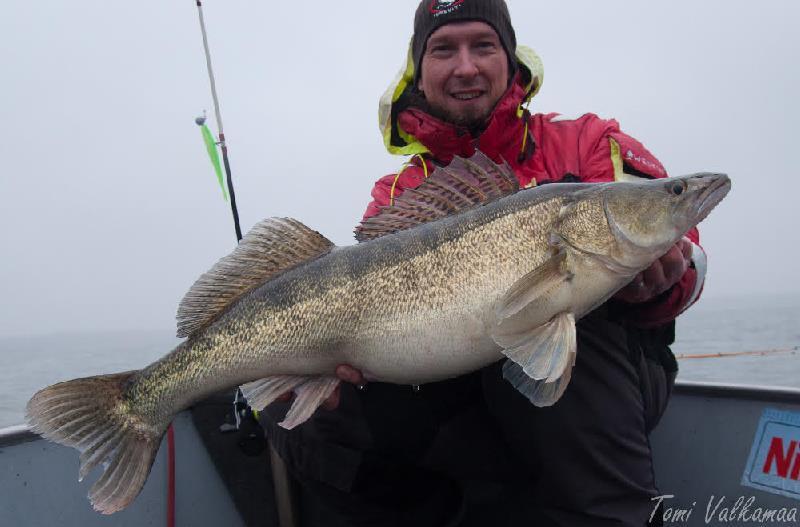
(711, 195)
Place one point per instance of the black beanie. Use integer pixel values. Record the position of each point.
(432, 14)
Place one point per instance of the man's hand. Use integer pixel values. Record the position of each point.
(660, 276)
(346, 373)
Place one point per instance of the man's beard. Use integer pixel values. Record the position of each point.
(474, 124)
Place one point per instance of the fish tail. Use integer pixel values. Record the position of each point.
(93, 416)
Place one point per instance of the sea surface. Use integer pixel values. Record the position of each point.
(714, 326)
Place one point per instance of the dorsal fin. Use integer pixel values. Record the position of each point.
(272, 246)
(463, 184)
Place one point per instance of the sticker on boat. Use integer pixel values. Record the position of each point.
(774, 461)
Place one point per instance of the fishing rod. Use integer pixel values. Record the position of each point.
(211, 146)
(280, 475)
(221, 136)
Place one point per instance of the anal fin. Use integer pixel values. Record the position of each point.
(541, 360)
(263, 392)
(310, 392)
(310, 395)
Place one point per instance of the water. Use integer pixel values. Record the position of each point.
(713, 326)
(30, 363)
(730, 325)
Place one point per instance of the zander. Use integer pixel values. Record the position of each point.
(455, 275)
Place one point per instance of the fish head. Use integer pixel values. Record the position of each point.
(647, 218)
(628, 225)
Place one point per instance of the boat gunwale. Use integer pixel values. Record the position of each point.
(17, 434)
(775, 394)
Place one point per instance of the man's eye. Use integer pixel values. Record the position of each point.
(441, 49)
(486, 46)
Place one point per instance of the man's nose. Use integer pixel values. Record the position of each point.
(465, 67)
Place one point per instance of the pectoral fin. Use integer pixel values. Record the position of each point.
(541, 359)
(538, 392)
(535, 284)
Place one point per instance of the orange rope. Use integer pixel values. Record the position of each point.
(424, 165)
(402, 169)
(738, 353)
(522, 112)
(524, 138)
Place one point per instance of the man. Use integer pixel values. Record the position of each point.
(472, 450)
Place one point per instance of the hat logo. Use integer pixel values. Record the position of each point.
(443, 7)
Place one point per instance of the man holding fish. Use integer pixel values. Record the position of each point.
(395, 455)
(486, 403)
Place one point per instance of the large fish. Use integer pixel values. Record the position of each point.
(453, 276)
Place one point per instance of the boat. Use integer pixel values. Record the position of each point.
(723, 454)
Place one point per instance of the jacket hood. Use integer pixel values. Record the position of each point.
(392, 103)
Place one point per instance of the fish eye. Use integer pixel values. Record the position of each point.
(678, 187)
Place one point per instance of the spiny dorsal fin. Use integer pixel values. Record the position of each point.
(463, 184)
(272, 246)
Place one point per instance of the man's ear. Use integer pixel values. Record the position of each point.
(513, 67)
(419, 84)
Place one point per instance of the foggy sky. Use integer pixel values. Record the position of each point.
(110, 208)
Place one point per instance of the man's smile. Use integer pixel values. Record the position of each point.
(467, 95)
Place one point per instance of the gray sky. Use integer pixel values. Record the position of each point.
(110, 209)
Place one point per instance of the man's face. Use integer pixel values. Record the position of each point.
(464, 72)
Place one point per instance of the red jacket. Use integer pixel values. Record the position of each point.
(550, 149)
